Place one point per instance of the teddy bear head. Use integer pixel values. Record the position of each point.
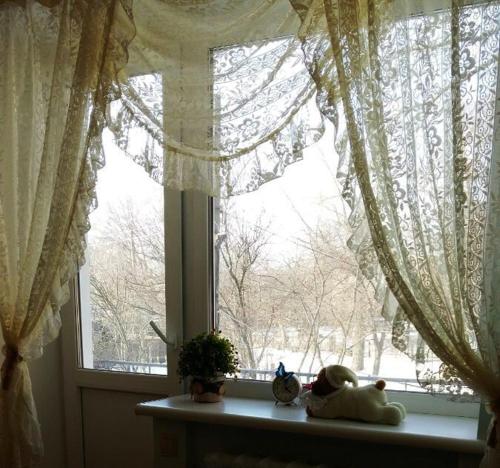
(332, 378)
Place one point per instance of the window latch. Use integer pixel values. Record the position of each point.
(173, 343)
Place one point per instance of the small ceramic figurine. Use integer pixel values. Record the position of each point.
(330, 397)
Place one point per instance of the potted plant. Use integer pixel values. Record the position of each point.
(207, 359)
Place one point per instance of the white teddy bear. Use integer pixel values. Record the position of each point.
(330, 397)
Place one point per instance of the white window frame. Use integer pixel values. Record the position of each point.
(85, 375)
(80, 372)
(189, 307)
(198, 318)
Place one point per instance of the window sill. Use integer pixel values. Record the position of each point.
(449, 433)
(414, 402)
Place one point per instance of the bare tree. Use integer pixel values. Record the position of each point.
(248, 303)
(314, 301)
(128, 284)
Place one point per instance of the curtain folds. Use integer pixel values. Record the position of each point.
(418, 91)
(220, 88)
(57, 68)
(221, 96)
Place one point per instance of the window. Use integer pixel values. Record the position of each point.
(287, 286)
(124, 288)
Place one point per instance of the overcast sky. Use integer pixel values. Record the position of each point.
(302, 188)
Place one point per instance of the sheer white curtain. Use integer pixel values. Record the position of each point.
(418, 91)
(222, 123)
(412, 93)
(57, 65)
(412, 90)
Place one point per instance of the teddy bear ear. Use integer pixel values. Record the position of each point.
(337, 375)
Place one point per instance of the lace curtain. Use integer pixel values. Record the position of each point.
(57, 66)
(412, 90)
(222, 95)
(220, 87)
(418, 90)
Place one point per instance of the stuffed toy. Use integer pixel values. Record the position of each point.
(330, 397)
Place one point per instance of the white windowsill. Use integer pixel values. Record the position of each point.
(450, 433)
(414, 402)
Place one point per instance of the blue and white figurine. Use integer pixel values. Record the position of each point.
(286, 386)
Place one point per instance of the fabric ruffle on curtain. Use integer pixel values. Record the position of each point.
(217, 97)
(58, 64)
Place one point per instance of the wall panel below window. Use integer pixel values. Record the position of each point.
(114, 437)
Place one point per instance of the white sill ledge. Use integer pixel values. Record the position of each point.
(449, 433)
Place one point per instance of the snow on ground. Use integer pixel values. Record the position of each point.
(394, 366)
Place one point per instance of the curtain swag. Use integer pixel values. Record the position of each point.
(221, 96)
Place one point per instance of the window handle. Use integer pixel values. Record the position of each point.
(163, 337)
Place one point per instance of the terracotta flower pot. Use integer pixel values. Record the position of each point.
(207, 390)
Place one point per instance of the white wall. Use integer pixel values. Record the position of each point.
(46, 379)
(114, 436)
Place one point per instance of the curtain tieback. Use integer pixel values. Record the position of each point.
(12, 358)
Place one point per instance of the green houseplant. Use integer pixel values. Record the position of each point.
(207, 359)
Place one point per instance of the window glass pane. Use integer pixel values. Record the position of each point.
(287, 286)
(122, 285)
